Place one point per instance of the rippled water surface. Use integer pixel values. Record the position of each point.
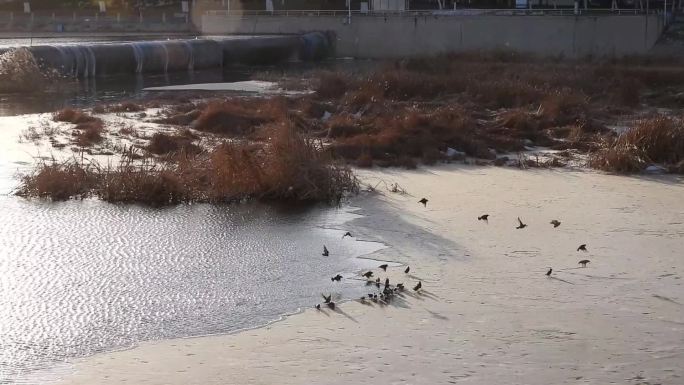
(81, 277)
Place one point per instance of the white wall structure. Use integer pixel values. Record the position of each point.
(391, 36)
(389, 5)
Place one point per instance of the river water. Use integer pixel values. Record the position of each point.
(82, 277)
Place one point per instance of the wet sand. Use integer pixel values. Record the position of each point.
(488, 313)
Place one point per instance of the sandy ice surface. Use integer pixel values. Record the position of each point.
(488, 314)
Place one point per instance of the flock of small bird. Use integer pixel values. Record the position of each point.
(390, 291)
(521, 225)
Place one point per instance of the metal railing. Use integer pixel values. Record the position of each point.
(434, 12)
(79, 16)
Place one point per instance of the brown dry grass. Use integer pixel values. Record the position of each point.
(410, 134)
(88, 133)
(71, 115)
(416, 109)
(287, 167)
(163, 144)
(239, 117)
(180, 118)
(126, 107)
(88, 129)
(514, 99)
(658, 140)
(332, 84)
(58, 181)
(563, 106)
(344, 125)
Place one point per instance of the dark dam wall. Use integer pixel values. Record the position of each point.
(89, 60)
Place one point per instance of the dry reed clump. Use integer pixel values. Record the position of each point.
(344, 125)
(180, 118)
(239, 117)
(126, 107)
(504, 93)
(58, 181)
(386, 84)
(162, 144)
(287, 167)
(399, 140)
(147, 182)
(88, 133)
(519, 120)
(70, 115)
(297, 168)
(523, 125)
(405, 85)
(563, 107)
(658, 140)
(332, 85)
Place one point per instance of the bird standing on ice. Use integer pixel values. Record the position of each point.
(555, 223)
(424, 201)
(408, 268)
(325, 251)
(383, 267)
(418, 286)
(582, 247)
(548, 273)
(484, 217)
(347, 234)
(583, 262)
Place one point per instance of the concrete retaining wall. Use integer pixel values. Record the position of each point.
(398, 36)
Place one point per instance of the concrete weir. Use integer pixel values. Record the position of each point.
(89, 60)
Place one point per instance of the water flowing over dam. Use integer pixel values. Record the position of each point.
(99, 59)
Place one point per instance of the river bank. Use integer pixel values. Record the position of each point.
(487, 313)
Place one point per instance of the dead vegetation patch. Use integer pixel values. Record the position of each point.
(652, 141)
(126, 107)
(70, 115)
(89, 133)
(238, 117)
(288, 167)
(163, 144)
